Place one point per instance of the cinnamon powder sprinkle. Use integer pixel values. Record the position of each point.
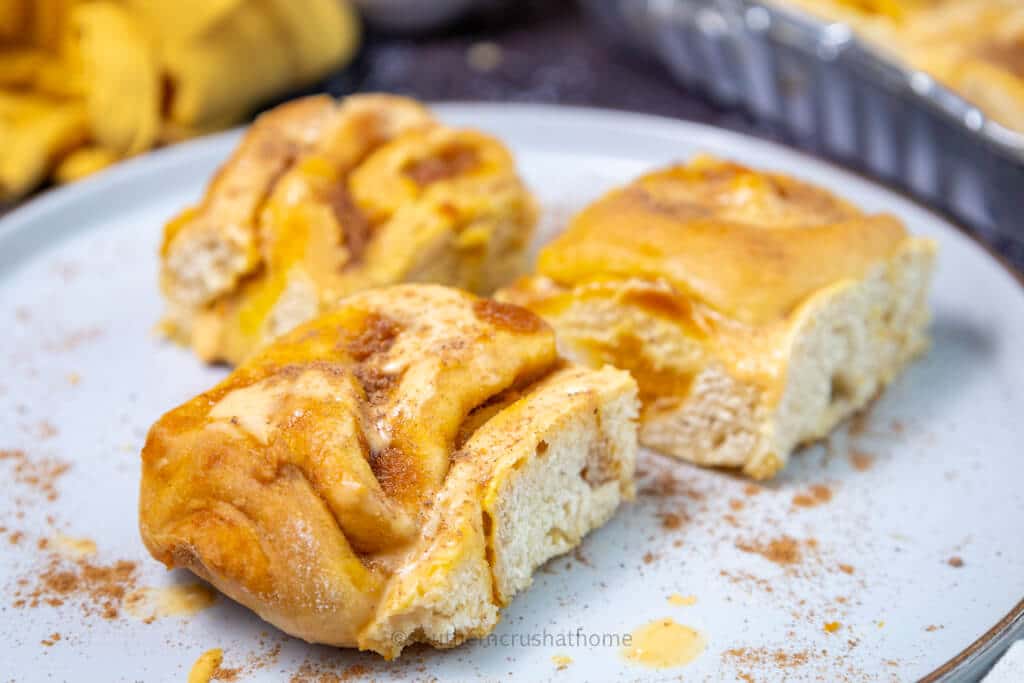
(860, 422)
(816, 495)
(311, 673)
(861, 461)
(764, 657)
(38, 474)
(662, 485)
(670, 520)
(74, 340)
(98, 589)
(253, 663)
(782, 550)
(955, 562)
(845, 568)
(225, 674)
(46, 430)
(52, 640)
(747, 579)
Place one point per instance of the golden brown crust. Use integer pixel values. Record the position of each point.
(751, 246)
(716, 285)
(228, 210)
(378, 193)
(304, 482)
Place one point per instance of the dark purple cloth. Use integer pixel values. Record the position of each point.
(550, 54)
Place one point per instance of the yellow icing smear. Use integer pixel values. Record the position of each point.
(170, 601)
(561, 661)
(664, 644)
(205, 666)
(682, 600)
(74, 548)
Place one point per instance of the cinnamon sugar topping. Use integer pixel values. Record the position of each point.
(377, 336)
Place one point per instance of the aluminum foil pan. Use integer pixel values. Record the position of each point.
(841, 98)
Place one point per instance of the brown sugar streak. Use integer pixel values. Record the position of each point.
(508, 316)
(450, 163)
(354, 225)
(377, 336)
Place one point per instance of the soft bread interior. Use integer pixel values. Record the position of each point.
(527, 486)
(848, 343)
(832, 356)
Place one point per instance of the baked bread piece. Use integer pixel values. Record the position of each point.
(974, 47)
(391, 472)
(322, 199)
(755, 311)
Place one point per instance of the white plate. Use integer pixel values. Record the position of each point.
(943, 476)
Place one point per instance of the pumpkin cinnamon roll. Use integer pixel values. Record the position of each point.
(754, 310)
(322, 199)
(391, 472)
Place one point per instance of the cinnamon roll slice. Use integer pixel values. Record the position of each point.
(322, 199)
(391, 472)
(754, 310)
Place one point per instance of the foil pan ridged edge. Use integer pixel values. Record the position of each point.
(841, 98)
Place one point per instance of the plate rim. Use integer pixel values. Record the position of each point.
(976, 659)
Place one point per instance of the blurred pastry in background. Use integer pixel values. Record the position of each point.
(973, 47)
(84, 83)
(976, 48)
(755, 311)
(322, 199)
(863, 13)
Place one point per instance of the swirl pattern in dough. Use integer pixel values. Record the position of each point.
(322, 199)
(392, 471)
